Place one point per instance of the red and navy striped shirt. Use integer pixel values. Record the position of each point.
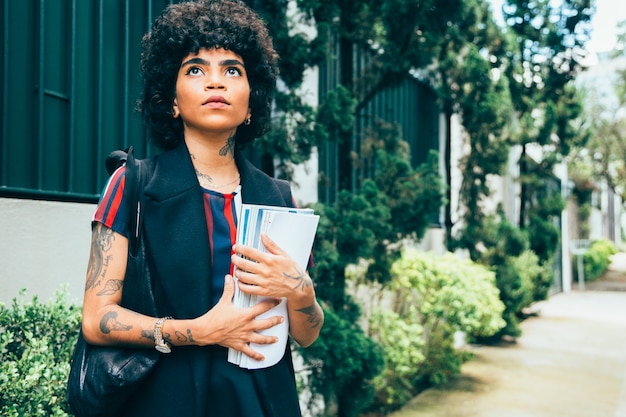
(221, 217)
(112, 211)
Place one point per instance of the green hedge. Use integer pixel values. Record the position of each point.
(433, 298)
(597, 259)
(36, 344)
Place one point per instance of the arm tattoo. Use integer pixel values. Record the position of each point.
(109, 323)
(313, 316)
(229, 148)
(101, 241)
(184, 338)
(111, 287)
(300, 278)
(148, 334)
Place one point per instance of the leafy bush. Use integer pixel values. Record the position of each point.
(522, 275)
(540, 276)
(342, 363)
(433, 298)
(403, 343)
(597, 259)
(36, 344)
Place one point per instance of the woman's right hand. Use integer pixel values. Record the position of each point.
(235, 327)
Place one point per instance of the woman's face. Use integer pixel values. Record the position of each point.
(212, 92)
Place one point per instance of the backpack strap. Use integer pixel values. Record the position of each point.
(136, 177)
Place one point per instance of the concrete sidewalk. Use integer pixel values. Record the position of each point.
(569, 362)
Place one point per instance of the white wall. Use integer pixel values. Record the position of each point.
(43, 245)
(306, 175)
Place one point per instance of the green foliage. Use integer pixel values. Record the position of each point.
(539, 275)
(293, 135)
(433, 297)
(521, 275)
(336, 113)
(597, 259)
(447, 289)
(397, 203)
(36, 344)
(342, 362)
(541, 70)
(522, 280)
(403, 344)
(516, 293)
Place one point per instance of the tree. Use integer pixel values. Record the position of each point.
(468, 87)
(550, 38)
(606, 148)
(369, 214)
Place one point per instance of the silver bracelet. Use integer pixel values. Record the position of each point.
(159, 343)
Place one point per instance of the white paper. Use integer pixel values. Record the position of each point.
(293, 230)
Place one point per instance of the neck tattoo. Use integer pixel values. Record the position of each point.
(207, 182)
(229, 147)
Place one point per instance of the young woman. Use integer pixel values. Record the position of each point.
(209, 71)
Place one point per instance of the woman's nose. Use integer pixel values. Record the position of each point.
(214, 81)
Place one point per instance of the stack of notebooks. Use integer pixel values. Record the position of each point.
(293, 230)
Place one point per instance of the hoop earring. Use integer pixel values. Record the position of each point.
(247, 121)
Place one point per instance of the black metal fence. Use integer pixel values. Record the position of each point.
(69, 79)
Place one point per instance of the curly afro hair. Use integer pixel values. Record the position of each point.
(185, 28)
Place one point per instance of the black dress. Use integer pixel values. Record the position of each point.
(199, 381)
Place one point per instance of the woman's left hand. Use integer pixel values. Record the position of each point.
(275, 274)
(272, 273)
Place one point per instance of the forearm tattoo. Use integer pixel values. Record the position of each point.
(101, 242)
(314, 318)
(303, 281)
(109, 323)
(148, 334)
(180, 336)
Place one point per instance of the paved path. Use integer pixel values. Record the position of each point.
(569, 362)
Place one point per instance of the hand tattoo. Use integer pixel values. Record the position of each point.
(302, 280)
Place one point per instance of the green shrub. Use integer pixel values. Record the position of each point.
(403, 344)
(538, 276)
(433, 298)
(597, 259)
(342, 363)
(36, 344)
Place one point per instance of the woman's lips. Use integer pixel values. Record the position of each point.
(216, 100)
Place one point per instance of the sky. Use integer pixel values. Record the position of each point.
(608, 14)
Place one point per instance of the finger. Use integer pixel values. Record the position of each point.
(243, 264)
(249, 284)
(229, 288)
(246, 252)
(270, 245)
(264, 306)
(252, 353)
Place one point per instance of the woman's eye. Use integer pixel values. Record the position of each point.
(233, 71)
(194, 71)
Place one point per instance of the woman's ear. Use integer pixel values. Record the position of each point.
(175, 111)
